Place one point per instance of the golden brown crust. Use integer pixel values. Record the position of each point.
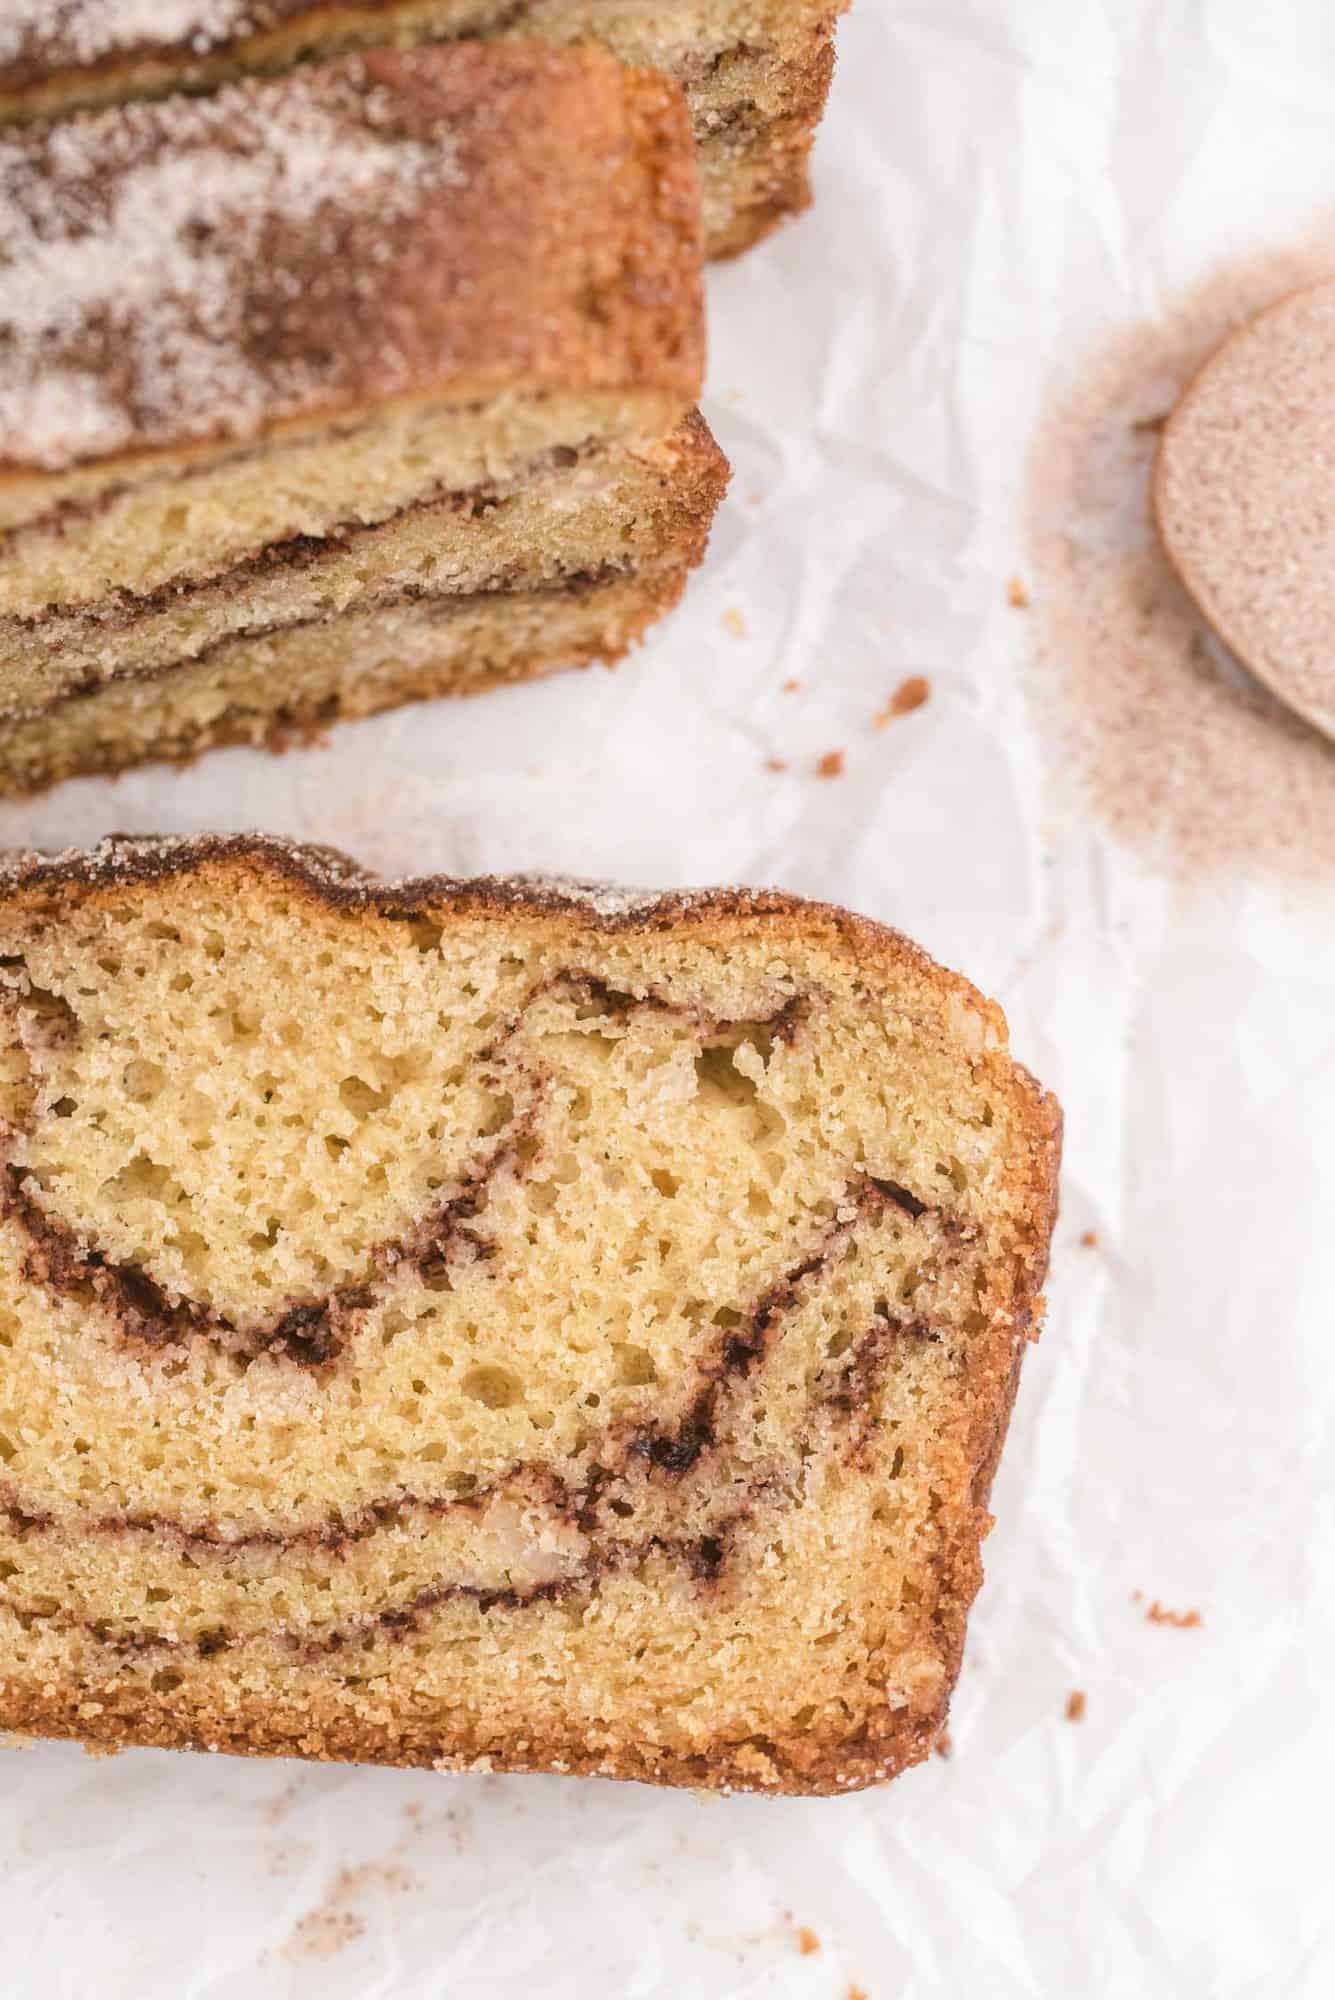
(549, 238)
(615, 612)
(884, 1741)
(802, 1767)
(757, 173)
(754, 173)
(289, 685)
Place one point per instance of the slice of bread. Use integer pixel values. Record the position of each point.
(497, 1324)
(359, 367)
(756, 72)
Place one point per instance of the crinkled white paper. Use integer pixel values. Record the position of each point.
(1000, 182)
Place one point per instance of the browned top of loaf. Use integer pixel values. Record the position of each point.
(964, 1013)
(39, 37)
(453, 221)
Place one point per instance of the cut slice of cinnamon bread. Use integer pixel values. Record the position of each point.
(756, 72)
(496, 1324)
(369, 382)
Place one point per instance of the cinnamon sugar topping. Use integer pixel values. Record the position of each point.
(87, 31)
(129, 243)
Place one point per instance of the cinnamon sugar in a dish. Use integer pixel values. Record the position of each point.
(1178, 749)
(1244, 498)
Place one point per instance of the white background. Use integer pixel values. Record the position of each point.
(999, 183)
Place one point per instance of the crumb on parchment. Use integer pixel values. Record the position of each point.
(1162, 1614)
(912, 693)
(831, 765)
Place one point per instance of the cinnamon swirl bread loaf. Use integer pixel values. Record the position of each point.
(756, 72)
(484, 1324)
(370, 382)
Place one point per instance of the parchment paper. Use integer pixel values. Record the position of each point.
(1000, 182)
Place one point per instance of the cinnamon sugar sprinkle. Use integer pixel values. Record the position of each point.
(85, 31)
(128, 243)
(1179, 751)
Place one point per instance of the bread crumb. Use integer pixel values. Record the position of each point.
(945, 1745)
(776, 764)
(1161, 1614)
(856, 1993)
(910, 694)
(755, 499)
(734, 622)
(807, 1941)
(792, 685)
(1089, 1239)
(1075, 1705)
(1017, 595)
(831, 765)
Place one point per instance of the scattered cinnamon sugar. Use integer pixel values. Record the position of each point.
(282, 1803)
(332, 1924)
(323, 1933)
(285, 1855)
(945, 1745)
(1089, 1239)
(792, 685)
(734, 622)
(831, 765)
(910, 694)
(807, 1941)
(1076, 1705)
(776, 764)
(1185, 1621)
(1177, 749)
(1017, 595)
